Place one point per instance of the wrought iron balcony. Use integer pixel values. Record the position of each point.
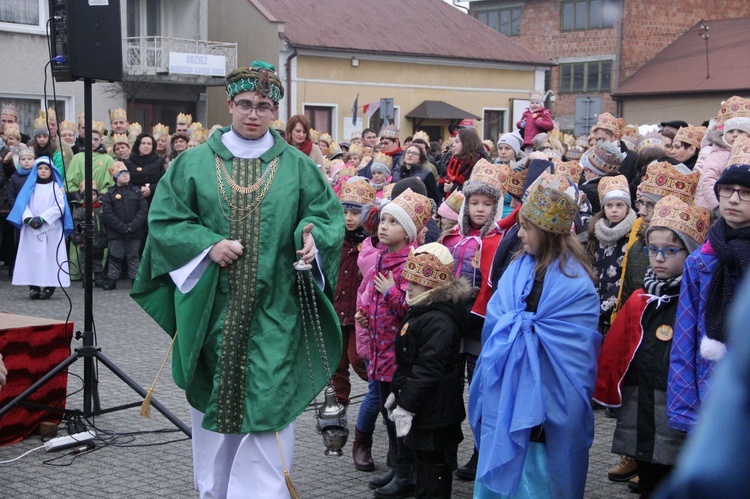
(149, 56)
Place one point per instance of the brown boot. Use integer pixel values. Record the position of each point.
(362, 450)
(624, 471)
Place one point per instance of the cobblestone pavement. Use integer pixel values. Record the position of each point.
(144, 461)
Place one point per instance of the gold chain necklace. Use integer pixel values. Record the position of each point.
(264, 183)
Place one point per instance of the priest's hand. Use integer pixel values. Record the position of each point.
(307, 253)
(225, 252)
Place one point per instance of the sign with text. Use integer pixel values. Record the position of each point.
(197, 64)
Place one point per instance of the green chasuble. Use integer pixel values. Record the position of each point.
(100, 164)
(240, 353)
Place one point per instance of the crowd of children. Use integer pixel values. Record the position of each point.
(506, 268)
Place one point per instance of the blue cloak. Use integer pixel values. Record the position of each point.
(537, 368)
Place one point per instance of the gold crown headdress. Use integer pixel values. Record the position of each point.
(383, 158)
(117, 114)
(160, 129)
(358, 192)
(430, 265)
(663, 179)
(120, 138)
(608, 122)
(683, 218)
(184, 119)
(692, 135)
(551, 203)
(421, 135)
(390, 132)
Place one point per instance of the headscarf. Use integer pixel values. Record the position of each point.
(260, 77)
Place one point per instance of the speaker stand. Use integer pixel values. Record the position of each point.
(90, 352)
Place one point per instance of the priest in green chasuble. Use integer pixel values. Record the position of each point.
(229, 219)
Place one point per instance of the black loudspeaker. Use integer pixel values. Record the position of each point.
(85, 39)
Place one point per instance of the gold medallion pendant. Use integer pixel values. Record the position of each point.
(664, 332)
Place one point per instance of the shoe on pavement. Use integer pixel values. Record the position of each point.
(624, 470)
(634, 485)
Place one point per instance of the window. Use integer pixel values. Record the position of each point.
(595, 76)
(321, 118)
(493, 124)
(507, 21)
(16, 14)
(587, 14)
(143, 18)
(28, 110)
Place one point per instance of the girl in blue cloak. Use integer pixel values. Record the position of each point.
(529, 401)
(42, 215)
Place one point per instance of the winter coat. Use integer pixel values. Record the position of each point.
(633, 266)
(366, 261)
(420, 172)
(689, 373)
(711, 168)
(145, 170)
(535, 123)
(124, 209)
(15, 183)
(633, 368)
(100, 228)
(345, 297)
(429, 380)
(385, 313)
(591, 189)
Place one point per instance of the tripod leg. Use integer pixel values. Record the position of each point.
(44, 379)
(140, 391)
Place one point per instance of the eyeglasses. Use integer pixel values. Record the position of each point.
(411, 153)
(244, 107)
(727, 192)
(653, 251)
(645, 204)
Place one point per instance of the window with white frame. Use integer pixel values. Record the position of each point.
(29, 107)
(23, 14)
(320, 117)
(493, 123)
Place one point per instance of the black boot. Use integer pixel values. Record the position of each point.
(362, 450)
(382, 480)
(35, 292)
(397, 488)
(47, 293)
(99, 280)
(109, 284)
(437, 482)
(468, 471)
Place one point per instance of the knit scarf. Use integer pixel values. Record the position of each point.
(611, 234)
(306, 146)
(393, 152)
(355, 236)
(379, 185)
(732, 249)
(457, 171)
(660, 287)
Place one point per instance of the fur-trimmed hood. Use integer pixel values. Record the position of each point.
(453, 295)
(715, 138)
(482, 188)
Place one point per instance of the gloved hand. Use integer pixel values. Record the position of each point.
(36, 222)
(403, 419)
(390, 403)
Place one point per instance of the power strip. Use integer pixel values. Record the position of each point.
(69, 441)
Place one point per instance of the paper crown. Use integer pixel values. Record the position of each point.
(421, 135)
(117, 114)
(278, 125)
(160, 129)
(390, 132)
(135, 129)
(120, 138)
(608, 122)
(488, 145)
(195, 126)
(631, 141)
(184, 119)
(40, 121)
(575, 152)
(516, 181)
(495, 176)
(734, 107)
(82, 185)
(116, 167)
(663, 179)
(430, 265)
(417, 206)
(198, 135)
(387, 191)
(49, 112)
(333, 150)
(740, 152)
(536, 95)
(383, 158)
(10, 109)
(684, 218)
(68, 125)
(551, 204)
(314, 135)
(356, 135)
(616, 187)
(12, 129)
(692, 135)
(355, 150)
(451, 206)
(605, 158)
(24, 150)
(347, 171)
(571, 169)
(358, 192)
(97, 126)
(651, 139)
(326, 137)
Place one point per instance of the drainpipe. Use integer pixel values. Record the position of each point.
(618, 55)
(289, 84)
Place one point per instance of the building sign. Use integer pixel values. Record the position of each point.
(197, 64)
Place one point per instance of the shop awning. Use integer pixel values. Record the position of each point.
(439, 110)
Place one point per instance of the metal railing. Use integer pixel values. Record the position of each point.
(149, 55)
